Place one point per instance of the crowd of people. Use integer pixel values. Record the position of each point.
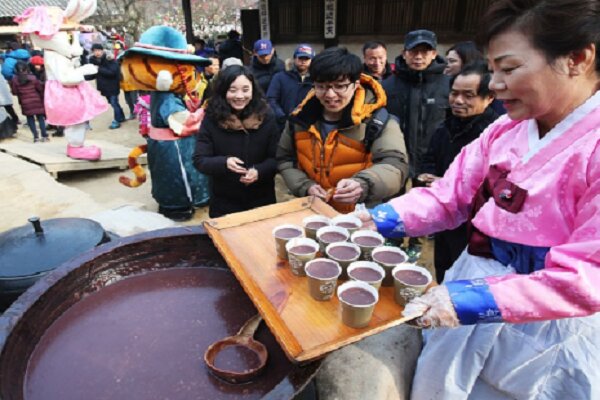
(511, 199)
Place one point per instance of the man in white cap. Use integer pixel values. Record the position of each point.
(289, 88)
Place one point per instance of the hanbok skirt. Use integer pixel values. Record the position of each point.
(72, 105)
(558, 359)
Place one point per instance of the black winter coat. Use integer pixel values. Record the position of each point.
(449, 139)
(419, 99)
(286, 92)
(231, 48)
(264, 73)
(108, 78)
(256, 147)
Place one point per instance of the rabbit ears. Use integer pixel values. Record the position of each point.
(78, 10)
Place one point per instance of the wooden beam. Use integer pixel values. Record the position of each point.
(187, 15)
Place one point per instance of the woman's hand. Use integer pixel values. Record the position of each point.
(234, 164)
(434, 310)
(249, 177)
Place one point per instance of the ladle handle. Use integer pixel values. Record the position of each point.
(250, 326)
(37, 225)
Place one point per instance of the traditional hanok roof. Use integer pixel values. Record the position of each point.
(12, 8)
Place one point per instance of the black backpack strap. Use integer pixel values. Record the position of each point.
(375, 126)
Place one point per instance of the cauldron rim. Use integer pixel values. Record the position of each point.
(18, 311)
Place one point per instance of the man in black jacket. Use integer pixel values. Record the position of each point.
(108, 81)
(417, 93)
(265, 63)
(470, 114)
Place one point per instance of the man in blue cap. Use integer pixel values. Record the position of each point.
(289, 88)
(417, 94)
(265, 63)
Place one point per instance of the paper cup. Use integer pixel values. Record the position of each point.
(358, 301)
(410, 281)
(344, 253)
(331, 231)
(322, 279)
(367, 241)
(310, 225)
(349, 222)
(388, 261)
(280, 233)
(366, 271)
(300, 251)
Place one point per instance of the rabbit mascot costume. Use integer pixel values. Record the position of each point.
(68, 99)
(161, 63)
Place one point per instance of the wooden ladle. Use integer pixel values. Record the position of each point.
(238, 358)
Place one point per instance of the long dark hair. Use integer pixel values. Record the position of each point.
(555, 27)
(219, 110)
(22, 71)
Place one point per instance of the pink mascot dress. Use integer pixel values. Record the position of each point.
(70, 101)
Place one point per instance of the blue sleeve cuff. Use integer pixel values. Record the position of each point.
(388, 221)
(473, 301)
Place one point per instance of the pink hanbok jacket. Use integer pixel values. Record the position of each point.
(561, 174)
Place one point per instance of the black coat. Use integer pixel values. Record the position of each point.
(256, 147)
(108, 78)
(264, 73)
(449, 139)
(231, 48)
(419, 99)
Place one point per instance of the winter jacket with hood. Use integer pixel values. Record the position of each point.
(108, 78)
(449, 139)
(286, 91)
(305, 159)
(10, 61)
(30, 95)
(419, 99)
(263, 73)
(254, 141)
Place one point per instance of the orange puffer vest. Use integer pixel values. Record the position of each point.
(341, 156)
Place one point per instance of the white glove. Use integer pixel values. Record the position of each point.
(88, 69)
(435, 309)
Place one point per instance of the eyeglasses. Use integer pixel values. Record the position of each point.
(338, 88)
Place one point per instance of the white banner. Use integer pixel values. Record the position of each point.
(263, 12)
(330, 18)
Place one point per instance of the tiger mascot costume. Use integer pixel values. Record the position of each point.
(160, 63)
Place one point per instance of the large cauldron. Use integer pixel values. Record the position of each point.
(34, 313)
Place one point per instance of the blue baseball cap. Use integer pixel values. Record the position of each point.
(304, 50)
(263, 47)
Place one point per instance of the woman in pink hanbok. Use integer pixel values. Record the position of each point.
(516, 316)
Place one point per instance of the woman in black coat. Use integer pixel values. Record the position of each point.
(237, 143)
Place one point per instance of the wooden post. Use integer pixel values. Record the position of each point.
(187, 15)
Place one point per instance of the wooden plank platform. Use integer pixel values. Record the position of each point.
(52, 155)
(305, 328)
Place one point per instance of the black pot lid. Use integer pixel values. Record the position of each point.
(44, 245)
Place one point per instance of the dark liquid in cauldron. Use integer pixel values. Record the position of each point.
(302, 249)
(236, 359)
(322, 269)
(388, 257)
(357, 296)
(316, 225)
(365, 274)
(367, 241)
(287, 233)
(332, 237)
(347, 225)
(411, 277)
(342, 253)
(144, 338)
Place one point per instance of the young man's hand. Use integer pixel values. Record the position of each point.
(348, 191)
(317, 190)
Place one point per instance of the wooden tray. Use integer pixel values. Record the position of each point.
(305, 328)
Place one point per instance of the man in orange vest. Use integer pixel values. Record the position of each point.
(340, 143)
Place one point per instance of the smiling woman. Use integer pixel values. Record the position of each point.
(523, 298)
(236, 144)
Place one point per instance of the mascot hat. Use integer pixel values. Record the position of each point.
(168, 43)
